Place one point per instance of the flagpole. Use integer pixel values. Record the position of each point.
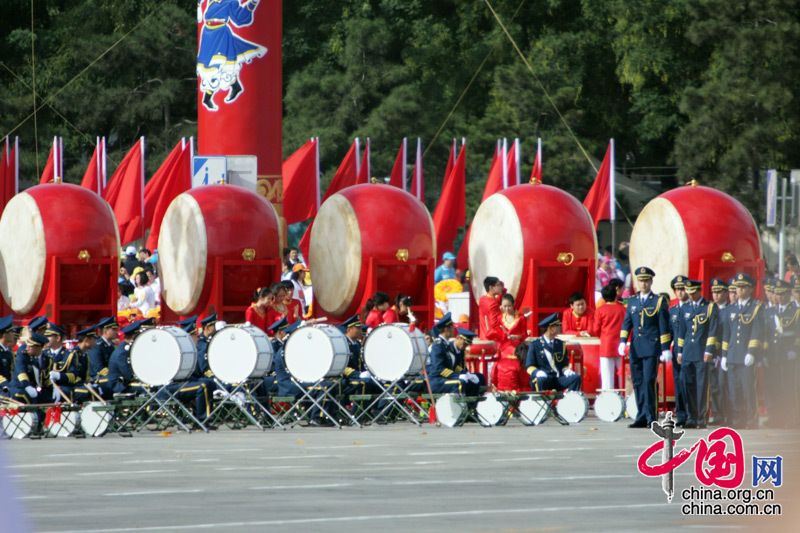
(358, 156)
(405, 163)
(142, 191)
(517, 161)
(105, 167)
(16, 165)
(369, 166)
(613, 207)
(505, 163)
(418, 170)
(316, 150)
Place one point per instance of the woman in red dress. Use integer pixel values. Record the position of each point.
(375, 308)
(256, 314)
(608, 320)
(278, 309)
(513, 324)
(293, 305)
(399, 311)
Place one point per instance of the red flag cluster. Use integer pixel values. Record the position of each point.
(125, 194)
(95, 178)
(172, 178)
(600, 199)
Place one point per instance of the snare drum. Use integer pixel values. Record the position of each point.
(95, 422)
(162, 355)
(66, 424)
(393, 351)
(19, 425)
(631, 409)
(492, 411)
(448, 410)
(239, 353)
(609, 406)
(533, 411)
(314, 353)
(572, 407)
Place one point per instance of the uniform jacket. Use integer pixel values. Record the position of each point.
(647, 325)
(120, 373)
(784, 331)
(743, 331)
(99, 357)
(444, 362)
(73, 365)
(537, 359)
(698, 331)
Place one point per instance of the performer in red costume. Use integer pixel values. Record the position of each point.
(514, 325)
(578, 319)
(489, 314)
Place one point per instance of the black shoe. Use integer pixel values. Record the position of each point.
(236, 90)
(681, 424)
(689, 425)
(639, 424)
(208, 101)
(318, 422)
(701, 426)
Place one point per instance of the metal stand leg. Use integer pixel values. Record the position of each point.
(163, 406)
(394, 399)
(249, 399)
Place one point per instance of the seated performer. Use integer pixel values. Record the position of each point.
(509, 374)
(375, 309)
(103, 348)
(256, 314)
(7, 341)
(120, 374)
(399, 311)
(547, 361)
(73, 373)
(24, 387)
(446, 368)
(513, 324)
(578, 318)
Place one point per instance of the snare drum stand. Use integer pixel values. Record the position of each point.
(163, 405)
(249, 400)
(325, 393)
(395, 399)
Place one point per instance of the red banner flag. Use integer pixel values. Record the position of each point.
(449, 214)
(301, 193)
(125, 194)
(172, 178)
(9, 173)
(494, 182)
(536, 174)
(600, 197)
(418, 179)
(94, 178)
(364, 170)
(400, 168)
(345, 177)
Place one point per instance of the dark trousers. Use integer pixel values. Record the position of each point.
(681, 403)
(196, 391)
(644, 371)
(694, 387)
(718, 393)
(559, 383)
(742, 396)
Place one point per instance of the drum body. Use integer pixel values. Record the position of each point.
(210, 224)
(538, 223)
(59, 221)
(587, 350)
(572, 407)
(162, 355)
(95, 421)
(239, 353)
(631, 409)
(313, 353)
(533, 411)
(352, 228)
(393, 351)
(449, 410)
(684, 226)
(609, 406)
(20, 424)
(492, 411)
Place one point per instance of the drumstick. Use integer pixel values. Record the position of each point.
(432, 410)
(316, 320)
(11, 401)
(61, 392)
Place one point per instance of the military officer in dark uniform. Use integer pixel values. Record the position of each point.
(120, 374)
(103, 348)
(7, 341)
(356, 379)
(70, 367)
(681, 298)
(718, 391)
(547, 361)
(80, 364)
(208, 328)
(698, 329)
(37, 324)
(647, 324)
(24, 387)
(780, 361)
(445, 368)
(742, 338)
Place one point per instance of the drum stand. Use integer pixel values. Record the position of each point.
(249, 401)
(325, 394)
(547, 397)
(163, 406)
(394, 400)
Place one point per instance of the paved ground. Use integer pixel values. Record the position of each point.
(389, 478)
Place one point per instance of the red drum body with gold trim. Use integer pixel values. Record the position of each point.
(59, 254)
(540, 241)
(697, 232)
(587, 351)
(370, 238)
(218, 243)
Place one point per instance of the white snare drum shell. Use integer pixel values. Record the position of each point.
(533, 411)
(631, 409)
(94, 423)
(392, 351)
(448, 410)
(239, 353)
(491, 411)
(65, 426)
(572, 407)
(162, 355)
(609, 406)
(313, 353)
(20, 425)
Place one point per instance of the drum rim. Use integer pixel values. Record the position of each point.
(103, 419)
(328, 339)
(451, 399)
(173, 339)
(408, 337)
(253, 343)
(569, 395)
(27, 200)
(542, 414)
(609, 394)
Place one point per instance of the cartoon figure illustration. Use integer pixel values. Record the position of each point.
(222, 53)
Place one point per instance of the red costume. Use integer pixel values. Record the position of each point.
(509, 374)
(374, 318)
(256, 317)
(572, 324)
(519, 326)
(392, 316)
(607, 325)
(489, 317)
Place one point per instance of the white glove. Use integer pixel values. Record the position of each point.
(219, 325)
(55, 376)
(622, 349)
(239, 398)
(365, 374)
(568, 372)
(464, 377)
(791, 356)
(411, 318)
(32, 393)
(723, 364)
(541, 374)
(749, 360)
(56, 396)
(473, 378)
(666, 356)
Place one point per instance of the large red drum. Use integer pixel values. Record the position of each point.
(697, 232)
(363, 223)
(65, 224)
(534, 234)
(209, 225)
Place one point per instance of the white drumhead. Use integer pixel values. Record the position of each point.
(631, 409)
(572, 407)
(20, 425)
(310, 352)
(182, 254)
(391, 351)
(490, 410)
(334, 254)
(533, 411)
(95, 423)
(236, 354)
(660, 222)
(609, 406)
(161, 355)
(23, 253)
(495, 245)
(448, 410)
(66, 426)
